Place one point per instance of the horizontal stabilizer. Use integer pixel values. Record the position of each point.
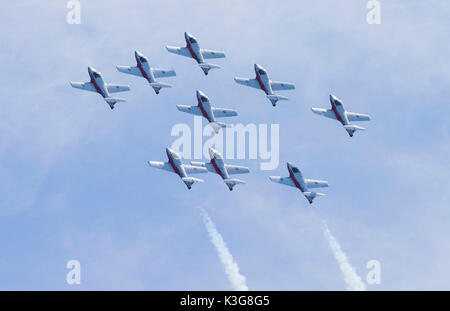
(275, 98)
(207, 66)
(157, 86)
(160, 85)
(190, 180)
(351, 128)
(113, 100)
(311, 195)
(231, 182)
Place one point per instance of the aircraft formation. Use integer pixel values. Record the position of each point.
(205, 109)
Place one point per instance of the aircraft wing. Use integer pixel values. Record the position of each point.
(283, 180)
(353, 116)
(163, 73)
(312, 183)
(114, 88)
(248, 82)
(190, 109)
(130, 70)
(212, 54)
(221, 112)
(87, 86)
(179, 51)
(324, 112)
(235, 169)
(191, 169)
(161, 165)
(278, 86)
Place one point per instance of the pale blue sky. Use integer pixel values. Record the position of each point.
(75, 183)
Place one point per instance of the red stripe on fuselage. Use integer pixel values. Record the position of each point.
(174, 166)
(144, 74)
(261, 85)
(200, 105)
(338, 116)
(97, 88)
(194, 56)
(216, 168)
(297, 184)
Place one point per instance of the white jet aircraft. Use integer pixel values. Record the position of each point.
(296, 180)
(262, 82)
(216, 165)
(337, 112)
(99, 86)
(144, 70)
(210, 113)
(194, 51)
(176, 166)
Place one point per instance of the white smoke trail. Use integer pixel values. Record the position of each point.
(231, 268)
(352, 279)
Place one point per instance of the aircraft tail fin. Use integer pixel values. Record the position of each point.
(206, 67)
(351, 129)
(274, 98)
(231, 182)
(190, 180)
(311, 195)
(157, 86)
(114, 100)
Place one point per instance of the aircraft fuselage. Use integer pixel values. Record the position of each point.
(297, 177)
(144, 67)
(97, 81)
(338, 109)
(205, 107)
(193, 47)
(175, 163)
(218, 164)
(263, 79)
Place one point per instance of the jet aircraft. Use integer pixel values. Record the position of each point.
(97, 85)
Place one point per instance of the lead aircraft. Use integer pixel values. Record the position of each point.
(175, 165)
(295, 179)
(99, 86)
(262, 82)
(218, 166)
(193, 50)
(337, 112)
(143, 69)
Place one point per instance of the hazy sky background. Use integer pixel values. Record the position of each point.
(75, 183)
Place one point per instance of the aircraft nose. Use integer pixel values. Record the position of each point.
(169, 151)
(212, 152)
(137, 53)
(288, 164)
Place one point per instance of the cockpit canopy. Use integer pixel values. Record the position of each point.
(203, 98)
(96, 74)
(295, 170)
(142, 59)
(192, 40)
(261, 72)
